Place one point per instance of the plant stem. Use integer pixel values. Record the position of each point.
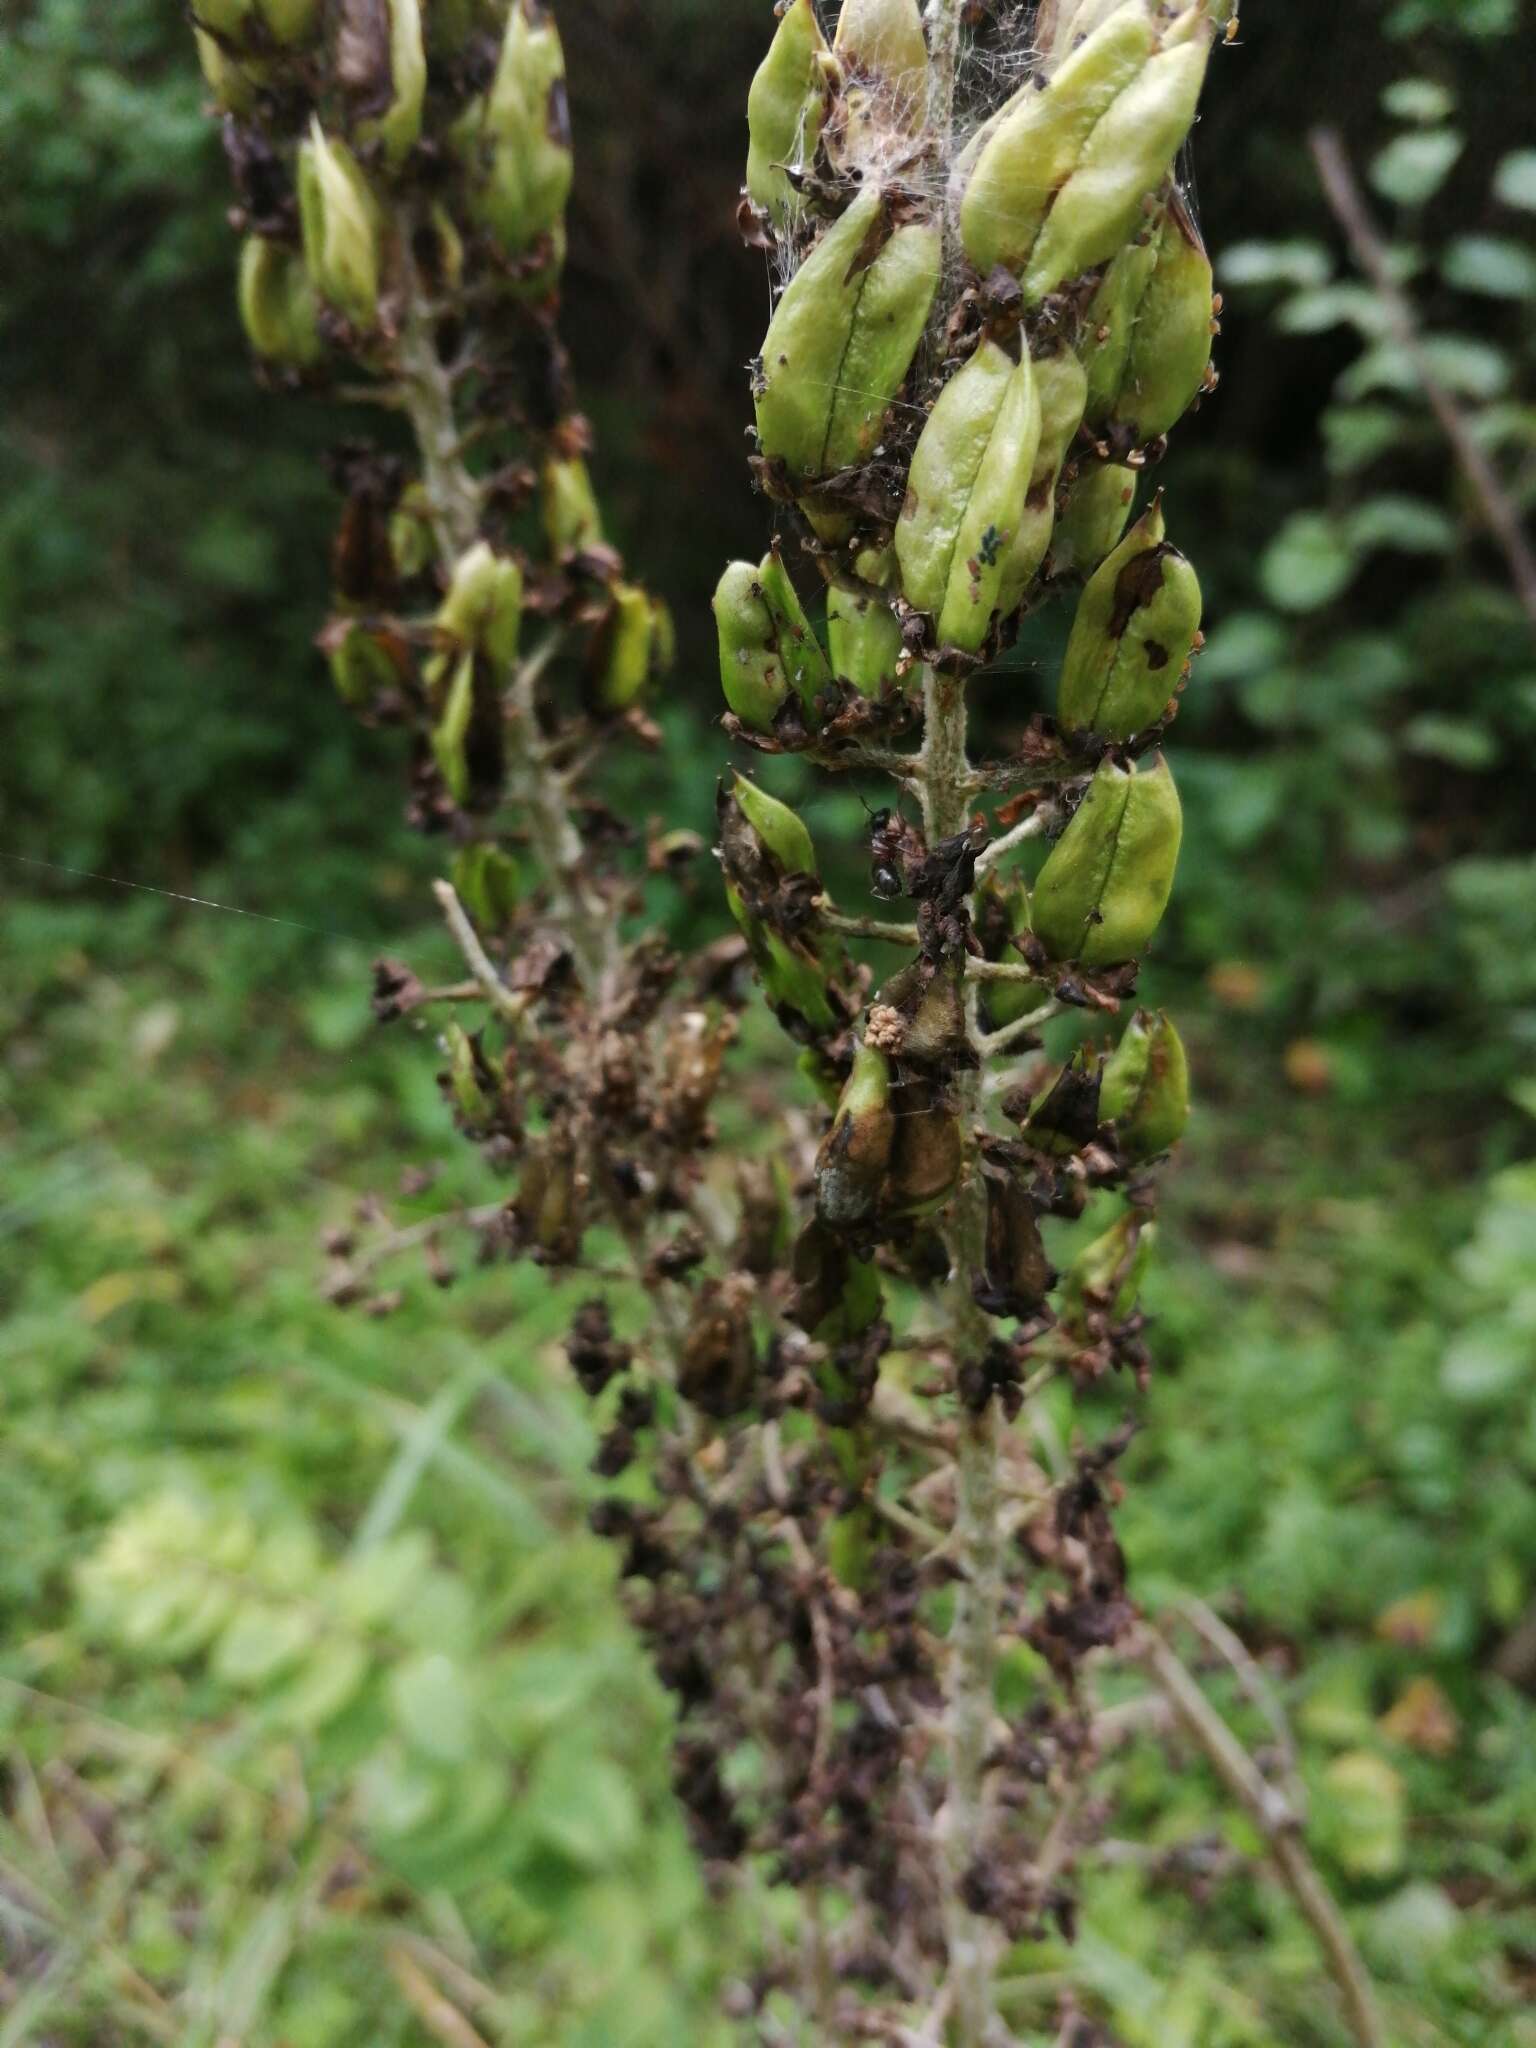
(1498, 510)
(977, 1546)
(1272, 1814)
(533, 782)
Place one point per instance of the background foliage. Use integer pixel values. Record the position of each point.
(246, 1795)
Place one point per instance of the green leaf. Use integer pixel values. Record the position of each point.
(1411, 525)
(433, 1707)
(1364, 1815)
(1471, 17)
(582, 1805)
(1301, 264)
(1355, 435)
(262, 1640)
(1243, 645)
(1487, 1364)
(1334, 305)
(1461, 742)
(1514, 182)
(1491, 265)
(333, 1675)
(1471, 369)
(1308, 563)
(1418, 99)
(399, 1796)
(1412, 168)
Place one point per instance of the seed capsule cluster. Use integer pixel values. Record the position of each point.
(975, 355)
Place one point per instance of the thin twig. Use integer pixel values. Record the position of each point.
(1227, 1643)
(992, 1042)
(1272, 1815)
(1000, 970)
(437, 2013)
(476, 959)
(1030, 828)
(867, 927)
(1342, 191)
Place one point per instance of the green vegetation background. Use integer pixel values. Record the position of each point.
(423, 1752)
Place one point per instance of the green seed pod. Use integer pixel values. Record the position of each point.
(764, 846)
(1092, 518)
(883, 61)
(451, 23)
(1135, 629)
(1146, 1086)
(483, 610)
(1103, 890)
(548, 1207)
(882, 40)
(1128, 155)
(1062, 385)
(863, 636)
(516, 142)
(965, 496)
(340, 220)
(1064, 25)
(225, 17)
(363, 662)
(625, 646)
(855, 1157)
(1104, 1280)
(1019, 1274)
(466, 1078)
(786, 105)
(1110, 321)
(412, 539)
(383, 61)
(1149, 328)
(488, 883)
(568, 505)
(767, 646)
(289, 21)
(450, 735)
(277, 304)
(752, 674)
(233, 81)
(842, 339)
(781, 830)
(1034, 149)
(254, 24)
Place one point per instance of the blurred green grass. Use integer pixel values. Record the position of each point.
(1340, 1446)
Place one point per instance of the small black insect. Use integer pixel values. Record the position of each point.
(990, 547)
(890, 843)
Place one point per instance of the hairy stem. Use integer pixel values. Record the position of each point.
(977, 1538)
(533, 783)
